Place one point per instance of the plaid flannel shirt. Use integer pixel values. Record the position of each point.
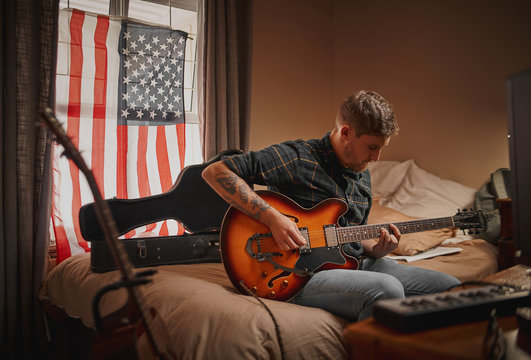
(308, 172)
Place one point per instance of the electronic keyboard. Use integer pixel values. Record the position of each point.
(449, 308)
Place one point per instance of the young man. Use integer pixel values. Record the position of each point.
(314, 170)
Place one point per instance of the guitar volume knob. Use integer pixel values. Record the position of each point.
(285, 283)
(271, 294)
(264, 274)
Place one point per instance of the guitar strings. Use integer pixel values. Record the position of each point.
(372, 231)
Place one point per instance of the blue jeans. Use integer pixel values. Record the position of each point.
(350, 294)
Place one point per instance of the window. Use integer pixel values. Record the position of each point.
(183, 16)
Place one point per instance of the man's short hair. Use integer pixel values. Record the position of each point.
(369, 114)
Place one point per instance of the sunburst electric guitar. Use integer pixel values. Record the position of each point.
(254, 262)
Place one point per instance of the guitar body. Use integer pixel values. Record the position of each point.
(246, 243)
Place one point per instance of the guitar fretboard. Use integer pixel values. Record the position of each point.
(364, 232)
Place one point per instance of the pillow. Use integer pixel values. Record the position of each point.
(387, 176)
(415, 192)
(412, 243)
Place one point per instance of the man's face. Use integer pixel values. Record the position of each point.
(360, 151)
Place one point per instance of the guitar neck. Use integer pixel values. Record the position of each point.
(364, 232)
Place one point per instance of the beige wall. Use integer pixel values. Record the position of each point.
(441, 64)
(293, 75)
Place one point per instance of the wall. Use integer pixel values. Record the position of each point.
(293, 76)
(442, 65)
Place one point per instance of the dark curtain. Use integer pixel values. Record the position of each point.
(27, 41)
(224, 74)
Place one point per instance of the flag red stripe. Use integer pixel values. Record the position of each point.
(121, 162)
(121, 167)
(162, 159)
(164, 168)
(100, 100)
(62, 247)
(164, 229)
(181, 130)
(74, 110)
(142, 170)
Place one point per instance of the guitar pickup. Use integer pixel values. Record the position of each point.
(330, 235)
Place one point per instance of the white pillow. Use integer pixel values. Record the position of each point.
(387, 176)
(415, 192)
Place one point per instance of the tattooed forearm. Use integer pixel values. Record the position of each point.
(238, 194)
(255, 215)
(258, 202)
(228, 181)
(244, 196)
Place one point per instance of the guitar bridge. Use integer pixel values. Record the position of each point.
(256, 238)
(306, 249)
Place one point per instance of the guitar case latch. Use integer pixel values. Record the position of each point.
(141, 249)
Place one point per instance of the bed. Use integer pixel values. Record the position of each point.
(208, 319)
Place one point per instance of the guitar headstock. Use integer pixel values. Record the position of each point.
(472, 219)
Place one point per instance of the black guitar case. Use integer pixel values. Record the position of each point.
(190, 201)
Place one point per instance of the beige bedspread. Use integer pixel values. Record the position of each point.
(206, 318)
(477, 260)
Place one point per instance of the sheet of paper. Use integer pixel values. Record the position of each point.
(427, 254)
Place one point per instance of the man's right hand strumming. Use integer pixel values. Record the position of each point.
(239, 194)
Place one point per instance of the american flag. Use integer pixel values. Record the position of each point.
(119, 94)
(151, 75)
